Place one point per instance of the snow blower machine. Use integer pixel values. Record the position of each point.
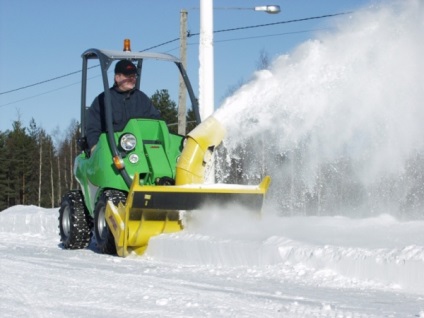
(137, 182)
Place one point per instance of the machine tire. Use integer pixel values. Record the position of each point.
(104, 237)
(74, 221)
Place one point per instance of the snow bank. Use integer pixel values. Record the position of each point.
(286, 267)
(30, 220)
(377, 252)
(336, 251)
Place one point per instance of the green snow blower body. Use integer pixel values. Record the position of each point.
(136, 182)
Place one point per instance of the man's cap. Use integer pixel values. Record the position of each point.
(125, 67)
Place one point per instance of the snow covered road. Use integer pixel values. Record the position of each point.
(314, 267)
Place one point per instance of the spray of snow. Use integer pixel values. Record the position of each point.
(353, 95)
(356, 91)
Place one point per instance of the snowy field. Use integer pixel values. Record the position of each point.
(238, 266)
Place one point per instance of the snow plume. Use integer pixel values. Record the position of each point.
(338, 122)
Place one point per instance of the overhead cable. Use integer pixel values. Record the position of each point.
(189, 35)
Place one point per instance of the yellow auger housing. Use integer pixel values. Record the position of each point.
(152, 210)
(133, 226)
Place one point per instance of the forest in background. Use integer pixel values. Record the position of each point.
(36, 169)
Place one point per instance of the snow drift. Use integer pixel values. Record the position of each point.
(268, 267)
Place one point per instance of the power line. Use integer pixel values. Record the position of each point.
(164, 43)
(253, 37)
(46, 81)
(270, 35)
(176, 39)
(41, 94)
(276, 23)
(48, 92)
(175, 48)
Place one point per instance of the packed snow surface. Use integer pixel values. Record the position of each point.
(224, 264)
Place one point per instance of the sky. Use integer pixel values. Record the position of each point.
(43, 40)
(222, 265)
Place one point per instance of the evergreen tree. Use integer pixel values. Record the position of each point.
(34, 163)
(19, 171)
(67, 151)
(168, 108)
(191, 120)
(3, 172)
(48, 171)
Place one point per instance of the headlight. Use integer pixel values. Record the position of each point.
(128, 142)
(133, 158)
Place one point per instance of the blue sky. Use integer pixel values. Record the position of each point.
(44, 39)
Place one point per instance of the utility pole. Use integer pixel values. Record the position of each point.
(206, 59)
(182, 91)
(206, 70)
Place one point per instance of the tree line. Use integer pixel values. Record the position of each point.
(37, 170)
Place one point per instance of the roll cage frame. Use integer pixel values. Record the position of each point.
(106, 58)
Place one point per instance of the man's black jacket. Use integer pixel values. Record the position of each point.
(125, 105)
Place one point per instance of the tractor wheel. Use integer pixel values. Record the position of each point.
(74, 221)
(104, 237)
